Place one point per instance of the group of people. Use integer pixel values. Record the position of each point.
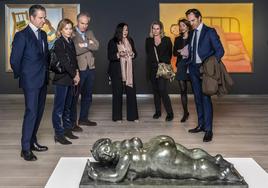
(74, 48)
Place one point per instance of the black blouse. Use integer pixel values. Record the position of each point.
(179, 43)
(65, 51)
(114, 65)
(164, 50)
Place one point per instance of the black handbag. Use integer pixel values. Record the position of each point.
(56, 65)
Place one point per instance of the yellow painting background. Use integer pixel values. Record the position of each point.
(171, 12)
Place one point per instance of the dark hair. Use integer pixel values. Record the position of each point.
(118, 35)
(33, 9)
(196, 12)
(186, 22)
(96, 146)
(82, 14)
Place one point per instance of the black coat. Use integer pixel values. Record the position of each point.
(64, 51)
(181, 73)
(114, 69)
(164, 51)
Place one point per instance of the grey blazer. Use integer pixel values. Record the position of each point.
(85, 55)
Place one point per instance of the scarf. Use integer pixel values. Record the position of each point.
(126, 62)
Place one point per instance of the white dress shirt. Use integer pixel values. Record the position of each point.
(199, 29)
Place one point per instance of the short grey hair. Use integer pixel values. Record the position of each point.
(82, 14)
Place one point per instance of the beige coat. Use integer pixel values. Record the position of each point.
(85, 57)
(215, 78)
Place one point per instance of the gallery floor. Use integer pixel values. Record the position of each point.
(240, 130)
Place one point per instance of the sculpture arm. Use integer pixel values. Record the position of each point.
(116, 176)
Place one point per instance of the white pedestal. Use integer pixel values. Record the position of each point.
(69, 170)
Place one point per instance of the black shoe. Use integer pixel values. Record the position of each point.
(77, 128)
(208, 136)
(38, 147)
(69, 134)
(87, 122)
(196, 130)
(28, 155)
(62, 140)
(157, 115)
(169, 117)
(185, 117)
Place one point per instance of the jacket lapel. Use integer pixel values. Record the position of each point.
(202, 34)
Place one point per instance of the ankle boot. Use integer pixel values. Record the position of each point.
(185, 117)
(69, 134)
(62, 140)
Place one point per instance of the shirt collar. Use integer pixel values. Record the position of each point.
(199, 28)
(78, 30)
(33, 27)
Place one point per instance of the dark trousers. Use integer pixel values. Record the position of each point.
(184, 98)
(87, 78)
(202, 102)
(118, 89)
(61, 114)
(160, 92)
(35, 100)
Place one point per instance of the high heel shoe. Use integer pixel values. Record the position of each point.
(62, 140)
(185, 117)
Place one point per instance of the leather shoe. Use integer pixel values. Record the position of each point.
(77, 128)
(28, 155)
(87, 122)
(196, 130)
(157, 115)
(38, 147)
(208, 136)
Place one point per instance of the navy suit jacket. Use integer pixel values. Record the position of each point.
(209, 44)
(27, 60)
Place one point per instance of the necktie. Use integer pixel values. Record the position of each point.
(40, 40)
(194, 46)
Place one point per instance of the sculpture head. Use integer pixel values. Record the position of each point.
(103, 151)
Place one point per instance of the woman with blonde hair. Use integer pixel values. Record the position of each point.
(159, 50)
(64, 82)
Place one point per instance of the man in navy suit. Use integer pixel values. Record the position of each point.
(204, 42)
(29, 61)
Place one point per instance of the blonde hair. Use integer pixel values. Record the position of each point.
(62, 24)
(160, 24)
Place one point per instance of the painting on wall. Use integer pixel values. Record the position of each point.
(233, 23)
(17, 18)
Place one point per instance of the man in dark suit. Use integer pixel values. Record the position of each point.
(29, 61)
(204, 42)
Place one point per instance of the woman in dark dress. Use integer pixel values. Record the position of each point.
(121, 52)
(64, 83)
(159, 50)
(180, 51)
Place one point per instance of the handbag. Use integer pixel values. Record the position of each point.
(164, 70)
(56, 65)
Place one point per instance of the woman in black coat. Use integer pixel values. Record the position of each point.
(64, 83)
(121, 52)
(159, 50)
(180, 47)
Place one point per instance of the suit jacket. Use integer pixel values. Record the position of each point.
(85, 56)
(114, 69)
(27, 60)
(67, 56)
(209, 44)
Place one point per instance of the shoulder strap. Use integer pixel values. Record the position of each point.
(156, 55)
